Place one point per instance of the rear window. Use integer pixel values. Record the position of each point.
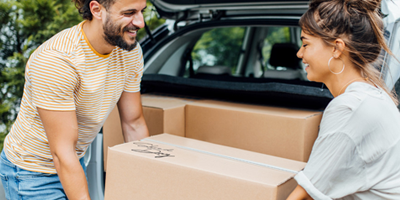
(244, 52)
(253, 64)
(219, 47)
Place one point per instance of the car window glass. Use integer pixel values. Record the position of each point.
(273, 54)
(246, 52)
(219, 48)
(274, 35)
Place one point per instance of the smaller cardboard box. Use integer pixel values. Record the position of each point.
(161, 113)
(283, 132)
(170, 167)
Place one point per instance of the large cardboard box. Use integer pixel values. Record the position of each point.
(170, 167)
(161, 113)
(283, 132)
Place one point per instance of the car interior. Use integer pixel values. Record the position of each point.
(255, 63)
(258, 53)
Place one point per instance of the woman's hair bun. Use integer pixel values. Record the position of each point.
(360, 5)
(363, 5)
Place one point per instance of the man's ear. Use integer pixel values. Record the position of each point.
(96, 9)
(339, 48)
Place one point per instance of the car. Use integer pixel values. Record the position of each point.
(241, 51)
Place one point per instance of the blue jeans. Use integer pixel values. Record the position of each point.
(22, 184)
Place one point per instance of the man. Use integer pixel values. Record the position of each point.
(73, 81)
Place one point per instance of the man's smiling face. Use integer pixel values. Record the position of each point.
(123, 19)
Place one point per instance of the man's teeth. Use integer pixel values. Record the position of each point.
(306, 65)
(132, 31)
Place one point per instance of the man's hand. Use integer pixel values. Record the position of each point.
(131, 114)
(299, 194)
(61, 128)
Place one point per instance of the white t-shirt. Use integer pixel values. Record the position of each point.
(357, 152)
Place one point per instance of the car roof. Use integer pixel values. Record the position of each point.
(194, 9)
(226, 2)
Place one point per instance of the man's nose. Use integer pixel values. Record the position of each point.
(138, 20)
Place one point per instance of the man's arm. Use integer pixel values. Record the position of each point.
(299, 194)
(61, 128)
(131, 114)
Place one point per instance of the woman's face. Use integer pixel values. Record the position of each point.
(315, 54)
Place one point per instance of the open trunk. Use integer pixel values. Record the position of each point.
(287, 93)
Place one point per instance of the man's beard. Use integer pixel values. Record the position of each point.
(113, 35)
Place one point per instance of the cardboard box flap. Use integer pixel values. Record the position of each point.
(277, 111)
(163, 103)
(161, 113)
(288, 164)
(282, 132)
(163, 149)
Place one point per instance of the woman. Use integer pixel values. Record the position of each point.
(357, 152)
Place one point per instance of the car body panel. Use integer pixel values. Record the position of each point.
(199, 9)
(391, 66)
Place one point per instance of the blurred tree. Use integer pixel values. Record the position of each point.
(274, 35)
(152, 20)
(24, 25)
(397, 90)
(222, 46)
(219, 46)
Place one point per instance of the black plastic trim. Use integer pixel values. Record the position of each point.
(270, 92)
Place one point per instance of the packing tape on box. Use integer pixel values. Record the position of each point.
(224, 156)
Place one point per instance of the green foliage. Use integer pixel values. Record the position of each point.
(274, 35)
(224, 44)
(397, 90)
(25, 24)
(151, 19)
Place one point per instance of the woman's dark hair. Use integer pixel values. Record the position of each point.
(359, 24)
(84, 9)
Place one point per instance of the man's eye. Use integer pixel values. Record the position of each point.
(304, 45)
(129, 13)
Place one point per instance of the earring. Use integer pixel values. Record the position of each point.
(329, 62)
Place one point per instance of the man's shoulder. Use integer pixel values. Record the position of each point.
(67, 40)
(58, 49)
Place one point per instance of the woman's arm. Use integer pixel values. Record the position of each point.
(299, 194)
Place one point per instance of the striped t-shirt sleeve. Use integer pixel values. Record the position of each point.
(53, 80)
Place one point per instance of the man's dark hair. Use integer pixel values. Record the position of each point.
(84, 9)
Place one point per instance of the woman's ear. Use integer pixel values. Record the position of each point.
(339, 48)
(95, 8)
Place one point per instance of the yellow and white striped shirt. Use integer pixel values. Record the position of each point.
(65, 73)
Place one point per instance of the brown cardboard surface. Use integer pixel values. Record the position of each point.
(283, 132)
(162, 114)
(170, 167)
